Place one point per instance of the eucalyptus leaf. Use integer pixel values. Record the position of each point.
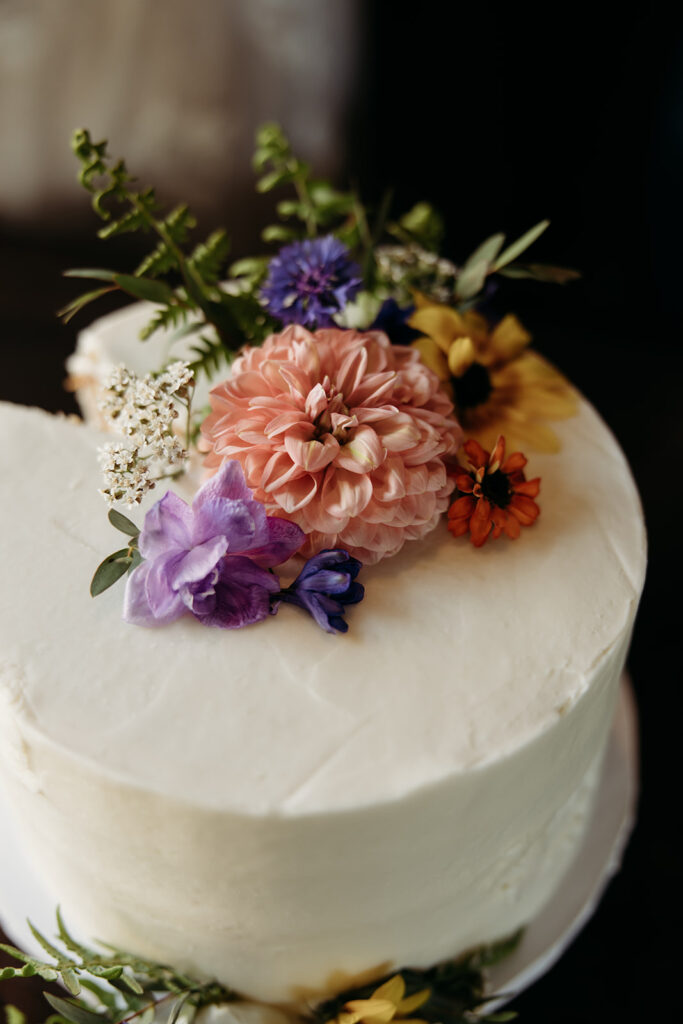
(471, 281)
(122, 523)
(73, 1012)
(145, 288)
(109, 571)
(486, 252)
(518, 247)
(540, 272)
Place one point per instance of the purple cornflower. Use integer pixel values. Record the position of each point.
(308, 282)
(210, 559)
(325, 585)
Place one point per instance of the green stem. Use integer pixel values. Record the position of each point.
(305, 200)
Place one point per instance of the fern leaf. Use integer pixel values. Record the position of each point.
(208, 258)
(178, 223)
(51, 950)
(163, 258)
(173, 316)
(70, 943)
(134, 220)
(210, 354)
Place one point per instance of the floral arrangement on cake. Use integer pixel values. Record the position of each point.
(351, 371)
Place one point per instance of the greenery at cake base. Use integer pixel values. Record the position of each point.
(114, 987)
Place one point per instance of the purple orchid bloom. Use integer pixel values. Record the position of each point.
(325, 586)
(210, 559)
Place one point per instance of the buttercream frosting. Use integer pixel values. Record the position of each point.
(276, 805)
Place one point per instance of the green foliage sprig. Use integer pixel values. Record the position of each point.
(121, 987)
(114, 566)
(184, 284)
(185, 281)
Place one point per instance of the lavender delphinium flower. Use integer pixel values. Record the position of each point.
(211, 558)
(308, 282)
(325, 586)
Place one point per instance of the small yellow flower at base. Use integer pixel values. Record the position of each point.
(385, 1004)
(497, 386)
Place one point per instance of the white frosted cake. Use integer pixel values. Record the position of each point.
(281, 808)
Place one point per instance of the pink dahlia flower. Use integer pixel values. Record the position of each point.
(340, 432)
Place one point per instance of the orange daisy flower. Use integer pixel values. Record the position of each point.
(496, 496)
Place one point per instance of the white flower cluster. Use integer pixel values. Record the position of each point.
(144, 411)
(408, 267)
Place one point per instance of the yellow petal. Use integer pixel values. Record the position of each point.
(412, 1002)
(441, 323)
(432, 356)
(348, 1018)
(476, 325)
(394, 989)
(377, 1011)
(520, 434)
(508, 339)
(461, 355)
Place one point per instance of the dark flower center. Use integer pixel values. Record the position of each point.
(496, 488)
(315, 281)
(473, 388)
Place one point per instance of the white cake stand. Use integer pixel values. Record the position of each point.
(23, 896)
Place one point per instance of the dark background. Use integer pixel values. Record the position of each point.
(500, 118)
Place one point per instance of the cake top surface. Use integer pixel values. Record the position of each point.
(457, 655)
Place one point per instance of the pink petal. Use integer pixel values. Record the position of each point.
(312, 456)
(344, 493)
(316, 402)
(362, 453)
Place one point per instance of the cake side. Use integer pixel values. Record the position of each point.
(302, 805)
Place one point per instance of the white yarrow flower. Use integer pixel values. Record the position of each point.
(144, 410)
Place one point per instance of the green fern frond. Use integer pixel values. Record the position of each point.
(134, 220)
(210, 355)
(165, 257)
(167, 318)
(208, 258)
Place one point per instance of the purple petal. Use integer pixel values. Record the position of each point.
(284, 540)
(241, 571)
(242, 594)
(200, 597)
(228, 482)
(148, 600)
(197, 564)
(242, 522)
(326, 581)
(167, 527)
